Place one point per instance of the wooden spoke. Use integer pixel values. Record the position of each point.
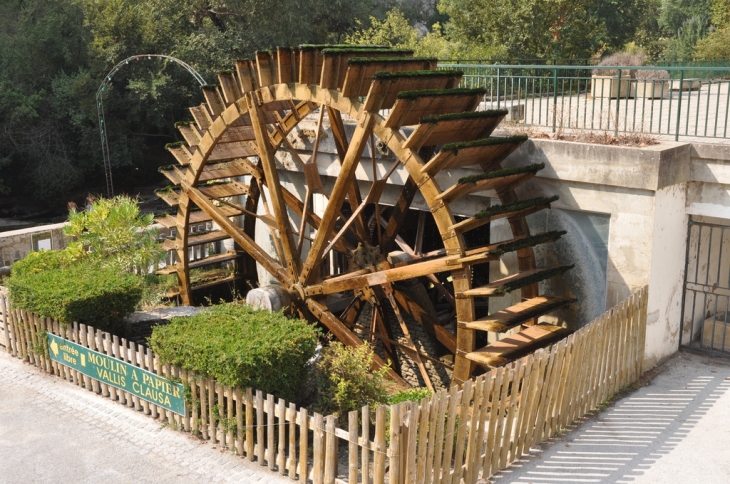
(272, 176)
(407, 334)
(342, 184)
(342, 145)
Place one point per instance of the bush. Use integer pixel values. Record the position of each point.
(83, 292)
(345, 380)
(241, 347)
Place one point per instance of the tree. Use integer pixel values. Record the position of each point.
(545, 28)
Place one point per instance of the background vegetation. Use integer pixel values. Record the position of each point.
(54, 53)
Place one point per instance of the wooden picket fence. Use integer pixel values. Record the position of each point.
(457, 435)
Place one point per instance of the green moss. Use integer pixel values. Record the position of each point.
(398, 75)
(376, 50)
(515, 206)
(341, 46)
(165, 190)
(184, 123)
(455, 147)
(207, 87)
(177, 144)
(534, 168)
(491, 113)
(531, 241)
(165, 168)
(536, 277)
(441, 92)
(389, 60)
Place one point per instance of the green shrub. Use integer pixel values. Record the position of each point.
(410, 395)
(345, 380)
(241, 347)
(83, 292)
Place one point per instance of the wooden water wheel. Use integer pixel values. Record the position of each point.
(429, 124)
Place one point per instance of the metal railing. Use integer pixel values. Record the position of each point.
(693, 102)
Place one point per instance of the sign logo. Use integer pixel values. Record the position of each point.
(120, 374)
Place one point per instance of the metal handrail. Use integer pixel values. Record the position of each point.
(571, 97)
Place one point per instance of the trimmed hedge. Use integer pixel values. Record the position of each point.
(241, 347)
(83, 292)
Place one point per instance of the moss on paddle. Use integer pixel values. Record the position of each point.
(342, 46)
(536, 277)
(534, 168)
(376, 50)
(441, 92)
(184, 123)
(207, 87)
(455, 147)
(527, 242)
(515, 206)
(389, 60)
(177, 144)
(491, 113)
(397, 75)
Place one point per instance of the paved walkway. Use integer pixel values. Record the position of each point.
(675, 429)
(53, 431)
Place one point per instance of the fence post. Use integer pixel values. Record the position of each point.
(679, 107)
(498, 95)
(618, 103)
(555, 98)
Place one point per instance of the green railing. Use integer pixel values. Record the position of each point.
(692, 103)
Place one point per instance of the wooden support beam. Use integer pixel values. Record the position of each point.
(342, 186)
(341, 145)
(268, 162)
(241, 238)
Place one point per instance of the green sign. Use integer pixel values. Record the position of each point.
(142, 383)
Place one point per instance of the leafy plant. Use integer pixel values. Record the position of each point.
(346, 381)
(241, 347)
(113, 232)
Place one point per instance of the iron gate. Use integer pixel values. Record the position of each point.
(706, 297)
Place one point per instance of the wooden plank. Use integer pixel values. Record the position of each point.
(380, 451)
(508, 318)
(467, 394)
(318, 449)
(230, 404)
(331, 460)
(352, 446)
(394, 473)
(270, 432)
(504, 350)
(260, 428)
(203, 392)
(496, 288)
(478, 402)
(496, 418)
(303, 444)
(507, 442)
(423, 442)
(411, 447)
(467, 126)
(249, 444)
(281, 443)
(365, 447)
(436, 425)
(292, 462)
